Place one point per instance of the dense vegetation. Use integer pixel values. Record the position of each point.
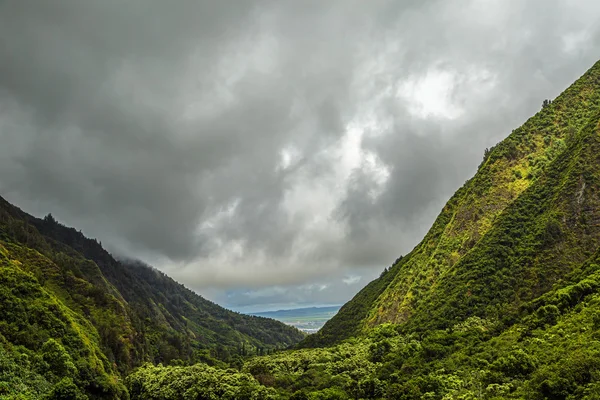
(501, 300)
(73, 319)
(527, 219)
(553, 352)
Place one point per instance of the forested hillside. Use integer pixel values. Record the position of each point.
(527, 219)
(71, 313)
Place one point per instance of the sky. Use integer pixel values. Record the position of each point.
(269, 154)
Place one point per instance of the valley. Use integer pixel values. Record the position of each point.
(300, 200)
(501, 300)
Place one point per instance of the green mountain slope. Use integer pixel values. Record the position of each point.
(74, 318)
(526, 219)
(550, 351)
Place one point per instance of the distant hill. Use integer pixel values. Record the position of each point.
(308, 320)
(74, 312)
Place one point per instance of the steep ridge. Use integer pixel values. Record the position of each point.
(525, 220)
(62, 293)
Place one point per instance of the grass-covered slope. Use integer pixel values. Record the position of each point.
(63, 293)
(528, 216)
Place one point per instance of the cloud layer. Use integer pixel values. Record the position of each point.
(269, 153)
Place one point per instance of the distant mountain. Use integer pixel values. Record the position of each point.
(308, 320)
(299, 312)
(71, 314)
(524, 224)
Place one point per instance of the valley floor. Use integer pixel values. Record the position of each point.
(551, 352)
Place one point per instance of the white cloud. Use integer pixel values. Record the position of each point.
(351, 279)
(430, 95)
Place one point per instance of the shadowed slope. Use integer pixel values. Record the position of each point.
(106, 316)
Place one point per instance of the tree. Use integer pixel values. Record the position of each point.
(49, 219)
(59, 361)
(66, 390)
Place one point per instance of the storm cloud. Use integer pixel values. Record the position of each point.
(269, 152)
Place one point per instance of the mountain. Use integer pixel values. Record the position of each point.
(72, 316)
(299, 312)
(527, 220)
(500, 300)
(308, 320)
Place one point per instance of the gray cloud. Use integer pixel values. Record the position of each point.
(259, 151)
